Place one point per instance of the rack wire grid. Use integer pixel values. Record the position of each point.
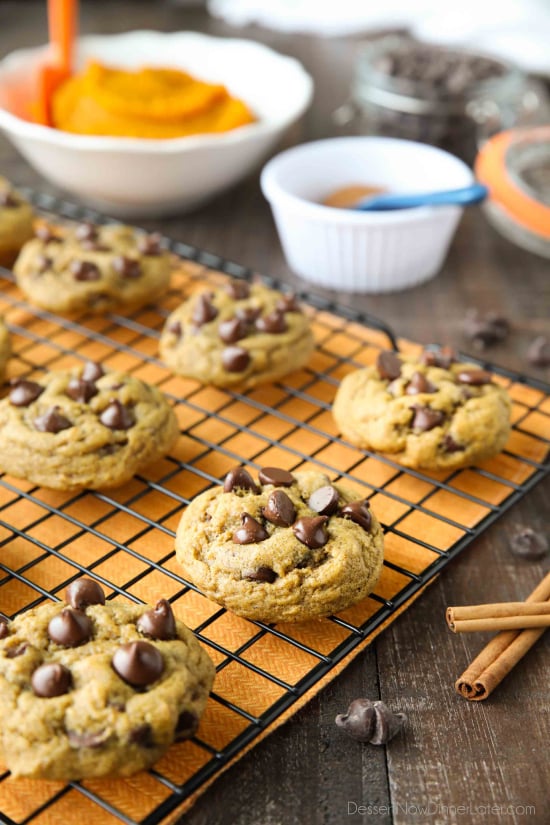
(124, 538)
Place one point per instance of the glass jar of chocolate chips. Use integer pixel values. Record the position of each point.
(447, 97)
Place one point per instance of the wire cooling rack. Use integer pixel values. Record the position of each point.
(124, 538)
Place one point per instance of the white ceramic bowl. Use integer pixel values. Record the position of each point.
(133, 177)
(362, 251)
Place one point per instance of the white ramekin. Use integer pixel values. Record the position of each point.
(362, 251)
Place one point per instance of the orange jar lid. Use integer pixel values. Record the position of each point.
(498, 166)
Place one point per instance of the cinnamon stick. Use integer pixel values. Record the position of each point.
(500, 656)
(503, 616)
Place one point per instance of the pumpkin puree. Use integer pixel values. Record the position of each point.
(147, 103)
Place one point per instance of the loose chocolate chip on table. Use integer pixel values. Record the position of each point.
(4, 628)
(311, 531)
(84, 271)
(288, 303)
(46, 234)
(262, 574)
(250, 531)
(138, 663)
(238, 290)
(358, 512)
(235, 359)
(117, 417)
(248, 314)
(51, 680)
(273, 323)
(388, 365)
(425, 418)
(324, 500)
(87, 740)
(150, 244)
(239, 479)
(158, 623)
(142, 735)
(52, 421)
(126, 267)
(92, 371)
(232, 330)
(204, 311)
(484, 330)
(83, 592)
(474, 377)
(279, 509)
(419, 383)
(450, 445)
(529, 544)
(369, 721)
(276, 476)
(175, 328)
(187, 724)
(24, 393)
(86, 232)
(7, 200)
(16, 650)
(442, 357)
(70, 628)
(80, 390)
(538, 353)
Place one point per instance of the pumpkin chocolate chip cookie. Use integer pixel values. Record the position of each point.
(16, 222)
(92, 268)
(83, 428)
(5, 348)
(432, 412)
(239, 335)
(293, 546)
(89, 688)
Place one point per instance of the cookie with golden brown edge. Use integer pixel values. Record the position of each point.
(293, 546)
(83, 428)
(16, 222)
(5, 348)
(90, 688)
(239, 335)
(429, 412)
(92, 268)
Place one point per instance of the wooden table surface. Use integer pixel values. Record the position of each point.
(490, 758)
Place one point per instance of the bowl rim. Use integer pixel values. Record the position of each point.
(18, 127)
(277, 195)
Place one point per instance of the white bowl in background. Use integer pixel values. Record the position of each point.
(363, 251)
(134, 177)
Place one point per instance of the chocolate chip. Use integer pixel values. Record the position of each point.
(174, 327)
(474, 377)
(528, 544)
(92, 371)
(150, 244)
(239, 479)
(371, 722)
(7, 199)
(117, 417)
(288, 303)
(235, 359)
(358, 512)
(138, 663)
(238, 290)
(4, 628)
(538, 353)
(311, 531)
(84, 271)
(86, 232)
(52, 421)
(484, 330)
(388, 365)
(450, 445)
(425, 418)
(24, 393)
(441, 357)
(419, 383)
(324, 500)
(203, 311)
(87, 740)
(94, 246)
(248, 314)
(158, 623)
(51, 680)
(262, 574)
(273, 323)
(70, 628)
(232, 330)
(80, 390)
(187, 724)
(279, 509)
(42, 263)
(83, 592)
(276, 476)
(126, 267)
(142, 735)
(250, 531)
(46, 234)
(16, 650)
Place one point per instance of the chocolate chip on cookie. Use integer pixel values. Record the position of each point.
(92, 371)
(70, 628)
(52, 679)
(311, 531)
(418, 384)
(4, 628)
(358, 512)
(279, 509)
(239, 479)
(476, 378)
(80, 390)
(274, 323)
(388, 365)
(8, 200)
(250, 531)
(324, 500)
(276, 476)
(261, 574)
(158, 623)
(117, 416)
(450, 445)
(126, 267)
(438, 357)
(47, 234)
(138, 663)
(238, 290)
(204, 310)
(425, 418)
(83, 592)
(150, 244)
(52, 421)
(175, 328)
(84, 271)
(24, 392)
(233, 330)
(288, 303)
(235, 359)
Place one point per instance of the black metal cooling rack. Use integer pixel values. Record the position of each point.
(356, 633)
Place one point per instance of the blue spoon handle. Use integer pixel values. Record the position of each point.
(457, 197)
